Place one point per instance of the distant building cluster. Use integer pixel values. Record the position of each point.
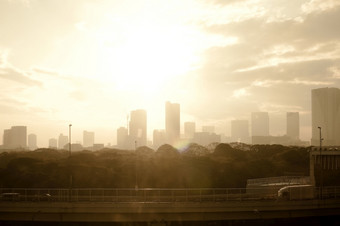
(325, 120)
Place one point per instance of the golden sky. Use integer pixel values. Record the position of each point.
(90, 62)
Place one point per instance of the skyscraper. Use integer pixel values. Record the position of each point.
(172, 122)
(293, 125)
(137, 127)
(259, 124)
(326, 115)
(122, 137)
(32, 141)
(16, 137)
(7, 138)
(189, 129)
(88, 139)
(240, 131)
(62, 141)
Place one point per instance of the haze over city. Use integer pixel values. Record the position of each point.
(90, 63)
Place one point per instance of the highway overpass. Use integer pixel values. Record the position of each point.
(158, 205)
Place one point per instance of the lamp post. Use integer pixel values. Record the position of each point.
(321, 171)
(136, 177)
(69, 135)
(69, 148)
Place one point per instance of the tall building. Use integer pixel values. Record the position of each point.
(62, 140)
(122, 137)
(32, 141)
(240, 131)
(7, 138)
(293, 125)
(158, 138)
(15, 137)
(326, 115)
(88, 139)
(52, 143)
(138, 127)
(259, 124)
(189, 130)
(172, 122)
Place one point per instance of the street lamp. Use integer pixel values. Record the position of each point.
(69, 148)
(136, 178)
(69, 135)
(321, 171)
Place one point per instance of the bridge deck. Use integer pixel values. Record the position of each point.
(146, 212)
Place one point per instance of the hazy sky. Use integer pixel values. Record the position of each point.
(90, 62)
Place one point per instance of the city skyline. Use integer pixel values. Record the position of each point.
(134, 135)
(89, 63)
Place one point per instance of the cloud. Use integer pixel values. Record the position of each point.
(45, 71)
(319, 6)
(18, 76)
(241, 93)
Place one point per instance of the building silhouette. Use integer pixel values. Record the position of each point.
(159, 138)
(88, 139)
(172, 122)
(189, 130)
(293, 125)
(32, 141)
(15, 137)
(326, 114)
(138, 128)
(122, 137)
(62, 141)
(240, 131)
(53, 143)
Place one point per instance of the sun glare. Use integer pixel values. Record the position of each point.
(145, 57)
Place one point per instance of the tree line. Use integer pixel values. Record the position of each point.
(222, 165)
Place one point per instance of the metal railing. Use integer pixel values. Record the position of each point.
(148, 194)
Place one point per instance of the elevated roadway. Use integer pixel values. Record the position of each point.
(113, 210)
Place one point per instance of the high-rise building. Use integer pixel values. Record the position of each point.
(293, 125)
(122, 137)
(240, 131)
(208, 129)
(189, 130)
(158, 138)
(172, 122)
(138, 127)
(52, 143)
(326, 115)
(16, 137)
(259, 124)
(32, 141)
(88, 139)
(7, 138)
(62, 141)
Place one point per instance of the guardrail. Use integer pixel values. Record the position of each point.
(148, 194)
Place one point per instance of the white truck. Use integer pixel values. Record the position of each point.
(297, 192)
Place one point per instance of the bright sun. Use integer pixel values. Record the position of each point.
(144, 57)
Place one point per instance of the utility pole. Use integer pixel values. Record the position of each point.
(69, 148)
(136, 177)
(321, 169)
